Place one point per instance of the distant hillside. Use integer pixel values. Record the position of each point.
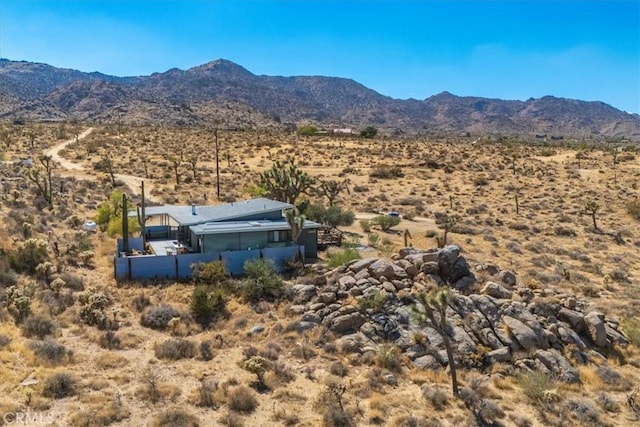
(222, 90)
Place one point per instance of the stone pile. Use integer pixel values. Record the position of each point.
(372, 301)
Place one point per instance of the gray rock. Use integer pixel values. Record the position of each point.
(303, 293)
(347, 282)
(327, 297)
(614, 336)
(346, 323)
(297, 309)
(388, 286)
(310, 316)
(430, 268)
(502, 354)
(487, 307)
(524, 335)
(390, 379)
(361, 275)
(317, 306)
(305, 326)
(258, 329)
(573, 318)
(595, 327)
(464, 283)
(382, 267)
(507, 277)
(362, 264)
(557, 365)
(569, 337)
(427, 362)
(497, 291)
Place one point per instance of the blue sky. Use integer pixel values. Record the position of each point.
(512, 49)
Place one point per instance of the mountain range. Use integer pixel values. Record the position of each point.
(223, 92)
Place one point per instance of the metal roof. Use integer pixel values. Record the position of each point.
(246, 226)
(184, 215)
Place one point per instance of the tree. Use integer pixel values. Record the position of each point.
(206, 304)
(308, 130)
(591, 208)
(369, 132)
(285, 181)
(435, 316)
(385, 222)
(43, 182)
(332, 216)
(331, 189)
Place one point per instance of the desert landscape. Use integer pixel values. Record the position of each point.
(547, 232)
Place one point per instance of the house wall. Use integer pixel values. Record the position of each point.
(179, 266)
(220, 243)
(255, 240)
(309, 239)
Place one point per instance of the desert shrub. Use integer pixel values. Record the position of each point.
(386, 222)
(619, 275)
(175, 417)
(208, 273)
(242, 399)
(175, 349)
(92, 305)
(333, 216)
(4, 341)
(206, 353)
(283, 372)
(141, 301)
(339, 369)
(261, 281)
(536, 385)
(342, 256)
(110, 341)
(633, 208)
(231, 419)
(583, 411)
(39, 326)
(607, 403)
(71, 281)
(8, 277)
(612, 378)
(386, 172)
(335, 416)
(59, 385)
(55, 300)
(389, 357)
(564, 231)
(258, 365)
(437, 396)
(102, 415)
(51, 351)
(205, 394)
(373, 301)
(631, 328)
(158, 317)
(26, 257)
(365, 224)
(206, 304)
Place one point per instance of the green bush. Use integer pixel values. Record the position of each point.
(342, 256)
(332, 216)
(261, 280)
(308, 130)
(631, 328)
(175, 349)
(26, 257)
(365, 224)
(206, 304)
(536, 385)
(59, 385)
(386, 222)
(373, 301)
(208, 273)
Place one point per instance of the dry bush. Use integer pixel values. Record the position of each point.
(339, 369)
(175, 349)
(100, 415)
(39, 326)
(242, 399)
(175, 417)
(437, 396)
(231, 419)
(110, 341)
(159, 317)
(59, 385)
(50, 351)
(109, 360)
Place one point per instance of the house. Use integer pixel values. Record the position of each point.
(233, 233)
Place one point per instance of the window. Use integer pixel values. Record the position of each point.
(279, 236)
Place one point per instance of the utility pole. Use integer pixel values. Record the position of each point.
(215, 135)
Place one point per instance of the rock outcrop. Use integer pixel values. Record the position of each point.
(497, 321)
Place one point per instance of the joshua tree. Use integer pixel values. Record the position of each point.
(449, 223)
(285, 182)
(435, 316)
(42, 182)
(591, 208)
(331, 189)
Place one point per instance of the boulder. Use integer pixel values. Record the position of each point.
(303, 293)
(573, 318)
(388, 269)
(507, 277)
(524, 335)
(427, 362)
(346, 323)
(362, 264)
(496, 290)
(557, 365)
(327, 297)
(502, 354)
(594, 323)
(430, 268)
(347, 282)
